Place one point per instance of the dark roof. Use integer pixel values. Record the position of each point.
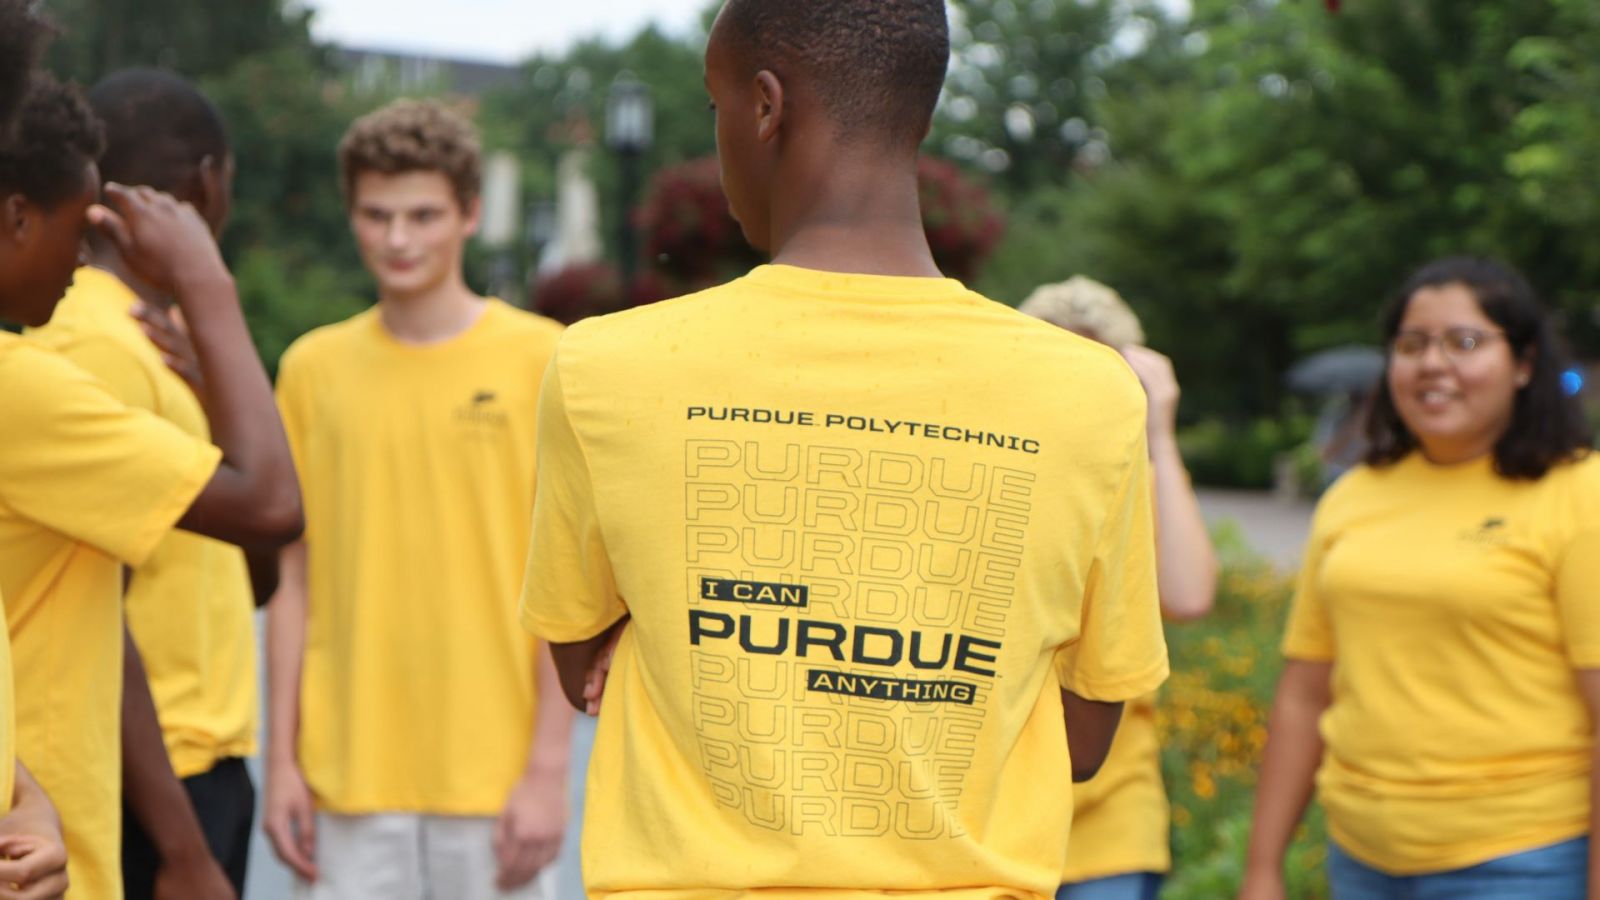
(413, 71)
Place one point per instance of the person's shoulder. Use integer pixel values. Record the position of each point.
(524, 326)
(329, 340)
(1575, 481)
(638, 330)
(36, 377)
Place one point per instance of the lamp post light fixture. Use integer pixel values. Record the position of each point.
(630, 131)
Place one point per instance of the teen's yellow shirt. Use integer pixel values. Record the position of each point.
(417, 471)
(189, 606)
(1121, 817)
(8, 722)
(1454, 605)
(866, 529)
(86, 485)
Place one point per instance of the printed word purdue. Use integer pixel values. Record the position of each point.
(756, 416)
(867, 645)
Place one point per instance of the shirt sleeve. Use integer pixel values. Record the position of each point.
(569, 591)
(1577, 576)
(1120, 653)
(116, 368)
(78, 461)
(1308, 636)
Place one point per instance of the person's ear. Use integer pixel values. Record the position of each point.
(16, 218)
(1524, 375)
(472, 216)
(769, 118)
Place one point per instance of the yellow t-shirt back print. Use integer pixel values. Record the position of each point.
(858, 572)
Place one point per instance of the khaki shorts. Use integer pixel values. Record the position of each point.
(412, 857)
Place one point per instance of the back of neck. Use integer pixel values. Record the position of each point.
(852, 215)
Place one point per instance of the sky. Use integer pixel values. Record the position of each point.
(491, 30)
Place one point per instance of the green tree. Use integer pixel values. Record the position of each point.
(1273, 197)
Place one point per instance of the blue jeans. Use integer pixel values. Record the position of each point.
(1557, 872)
(1134, 886)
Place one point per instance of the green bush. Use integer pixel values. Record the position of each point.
(1223, 454)
(1212, 718)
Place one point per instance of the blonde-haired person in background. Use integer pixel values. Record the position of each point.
(1119, 848)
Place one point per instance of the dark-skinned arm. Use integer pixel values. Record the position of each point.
(253, 499)
(1091, 726)
(263, 566)
(580, 664)
(156, 796)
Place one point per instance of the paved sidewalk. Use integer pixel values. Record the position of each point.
(1273, 528)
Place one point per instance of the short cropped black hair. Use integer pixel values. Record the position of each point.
(1547, 425)
(55, 137)
(22, 38)
(158, 128)
(877, 65)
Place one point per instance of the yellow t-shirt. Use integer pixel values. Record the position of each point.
(1454, 605)
(86, 484)
(866, 527)
(416, 465)
(8, 722)
(189, 606)
(1121, 817)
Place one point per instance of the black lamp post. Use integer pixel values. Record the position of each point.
(630, 130)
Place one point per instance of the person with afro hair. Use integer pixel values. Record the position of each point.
(89, 485)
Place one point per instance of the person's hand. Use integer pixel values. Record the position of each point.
(290, 820)
(594, 683)
(1263, 885)
(165, 242)
(167, 330)
(194, 878)
(32, 867)
(528, 835)
(33, 855)
(1160, 386)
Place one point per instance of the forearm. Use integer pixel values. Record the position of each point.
(286, 640)
(1288, 776)
(242, 414)
(1186, 563)
(153, 792)
(264, 574)
(28, 798)
(1091, 727)
(551, 747)
(1594, 822)
(574, 661)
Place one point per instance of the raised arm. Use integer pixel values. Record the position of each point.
(1186, 563)
(253, 499)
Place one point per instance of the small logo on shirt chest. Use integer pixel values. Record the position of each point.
(1491, 532)
(483, 412)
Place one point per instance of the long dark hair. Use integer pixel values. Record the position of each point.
(1547, 426)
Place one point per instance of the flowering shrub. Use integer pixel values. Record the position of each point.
(692, 242)
(578, 292)
(962, 224)
(1212, 718)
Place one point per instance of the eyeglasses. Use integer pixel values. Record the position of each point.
(1457, 343)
